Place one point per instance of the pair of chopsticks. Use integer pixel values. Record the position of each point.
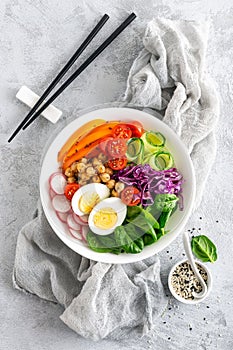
(36, 111)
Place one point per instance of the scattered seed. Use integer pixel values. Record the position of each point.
(164, 322)
(200, 218)
(207, 307)
(217, 221)
(169, 338)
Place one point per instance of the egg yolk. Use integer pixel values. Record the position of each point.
(87, 201)
(105, 218)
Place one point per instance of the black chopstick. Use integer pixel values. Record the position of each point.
(96, 53)
(67, 66)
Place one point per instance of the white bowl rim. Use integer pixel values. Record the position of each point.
(195, 300)
(124, 114)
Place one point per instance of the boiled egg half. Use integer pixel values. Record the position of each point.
(107, 215)
(87, 197)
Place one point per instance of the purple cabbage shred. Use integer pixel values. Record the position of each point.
(151, 182)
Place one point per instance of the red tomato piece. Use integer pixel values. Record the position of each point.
(128, 194)
(136, 128)
(117, 163)
(70, 190)
(103, 144)
(117, 148)
(122, 131)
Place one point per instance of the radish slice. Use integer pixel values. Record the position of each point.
(62, 216)
(75, 234)
(77, 218)
(84, 231)
(51, 193)
(60, 203)
(72, 223)
(84, 218)
(57, 183)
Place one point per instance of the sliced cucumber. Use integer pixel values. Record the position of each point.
(161, 161)
(153, 141)
(135, 149)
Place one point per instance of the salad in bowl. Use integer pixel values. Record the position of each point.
(117, 186)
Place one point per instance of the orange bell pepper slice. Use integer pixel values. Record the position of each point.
(94, 135)
(79, 155)
(77, 135)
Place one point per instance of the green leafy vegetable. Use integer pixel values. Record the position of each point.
(102, 244)
(165, 202)
(141, 218)
(204, 248)
(129, 239)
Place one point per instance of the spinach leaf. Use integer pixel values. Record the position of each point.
(102, 244)
(150, 237)
(164, 217)
(129, 238)
(165, 202)
(204, 248)
(141, 218)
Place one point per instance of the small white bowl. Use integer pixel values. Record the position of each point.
(195, 300)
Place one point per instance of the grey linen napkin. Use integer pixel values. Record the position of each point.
(104, 300)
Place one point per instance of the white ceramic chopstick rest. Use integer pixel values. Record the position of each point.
(28, 97)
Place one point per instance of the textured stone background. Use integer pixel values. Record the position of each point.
(37, 37)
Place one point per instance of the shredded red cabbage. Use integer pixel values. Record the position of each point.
(151, 182)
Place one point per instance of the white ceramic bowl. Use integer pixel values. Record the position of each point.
(183, 163)
(195, 300)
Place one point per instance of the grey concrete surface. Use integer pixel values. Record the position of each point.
(36, 38)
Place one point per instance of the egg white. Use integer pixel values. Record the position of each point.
(114, 203)
(100, 189)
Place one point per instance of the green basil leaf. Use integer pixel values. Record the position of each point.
(204, 249)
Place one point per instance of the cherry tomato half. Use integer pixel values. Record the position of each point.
(136, 128)
(117, 148)
(122, 131)
(128, 194)
(70, 190)
(117, 163)
(103, 144)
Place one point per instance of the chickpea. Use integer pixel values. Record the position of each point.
(71, 179)
(82, 182)
(105, 177)
(96, 179)
(108, 171)
(115, 193)
(102, 157)
(74, 166)
(119, 186)
(90, 171)
(68, 172)
(84, 177)
(110, 184)
(100, 169)
(96, 162)
(84, 160)
(81, 167)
